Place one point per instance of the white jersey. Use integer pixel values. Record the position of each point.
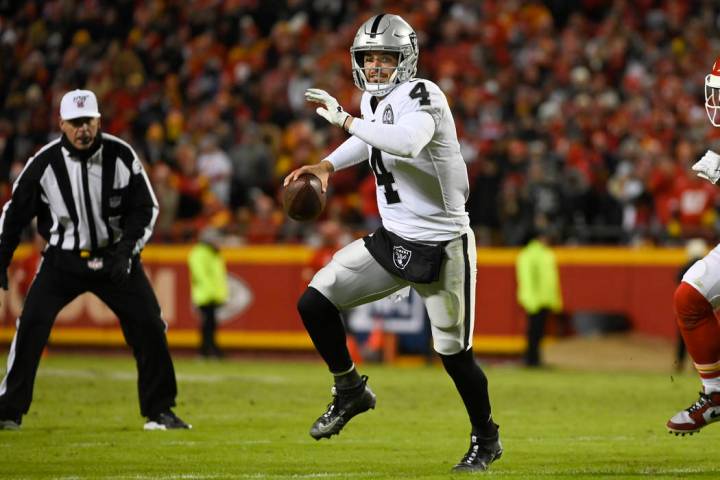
(420, 196)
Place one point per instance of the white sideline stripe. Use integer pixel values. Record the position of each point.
(184, 377)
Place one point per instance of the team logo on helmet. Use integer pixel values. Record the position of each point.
(716, 68)
(401, 256)
(80, 100)
(388, 116)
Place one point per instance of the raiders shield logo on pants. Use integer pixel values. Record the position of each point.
(353, 277)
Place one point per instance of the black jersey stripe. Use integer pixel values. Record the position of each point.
(467, 292)
(88, 204)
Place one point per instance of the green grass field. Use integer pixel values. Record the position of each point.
(251, 421)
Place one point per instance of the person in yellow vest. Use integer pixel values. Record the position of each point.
(208, 286)
(538, 291)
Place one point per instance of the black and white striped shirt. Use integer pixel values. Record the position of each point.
(83, 200)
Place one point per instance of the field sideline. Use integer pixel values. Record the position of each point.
(251, 421)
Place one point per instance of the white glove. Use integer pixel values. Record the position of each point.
(332, 112)
(708, 167)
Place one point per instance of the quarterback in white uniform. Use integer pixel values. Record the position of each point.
(408, 135)
(697, 299)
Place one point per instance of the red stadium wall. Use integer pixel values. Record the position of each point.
(638, 283)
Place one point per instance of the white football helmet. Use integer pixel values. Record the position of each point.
(712, 94)
(389, 33)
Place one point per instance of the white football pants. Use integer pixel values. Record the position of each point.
(353, 278)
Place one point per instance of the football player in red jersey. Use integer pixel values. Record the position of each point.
(698, 297)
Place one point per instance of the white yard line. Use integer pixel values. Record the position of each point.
(182, 377)
(205, 476)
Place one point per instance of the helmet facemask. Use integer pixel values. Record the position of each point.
(712, 99)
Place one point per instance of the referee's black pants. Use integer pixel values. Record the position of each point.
(136, 307)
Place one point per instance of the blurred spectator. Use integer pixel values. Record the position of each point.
(263, 221)
(252, 165)
(197, 206)
(592, 104)
(214, 164)
(165, 184)
(330, 237)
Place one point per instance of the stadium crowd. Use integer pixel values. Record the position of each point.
(579, 117)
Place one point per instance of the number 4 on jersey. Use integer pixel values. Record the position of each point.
(383, 177)
(420, 92)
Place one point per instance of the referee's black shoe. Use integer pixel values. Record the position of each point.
(166, 420)
(344, 406)
(10, 423)
(482, 452)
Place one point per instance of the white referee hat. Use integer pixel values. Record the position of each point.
(78, 104)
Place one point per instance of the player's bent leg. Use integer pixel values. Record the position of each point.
(352, 278)
(351, 395)
(699, 328)
(324, 325)
(698, 325)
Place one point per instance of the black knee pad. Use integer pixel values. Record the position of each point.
(313, 306)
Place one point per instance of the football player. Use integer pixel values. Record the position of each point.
(407, 133)
(698, 297)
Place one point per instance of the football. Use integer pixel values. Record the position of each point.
(303, 199)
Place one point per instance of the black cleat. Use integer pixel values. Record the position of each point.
(166, 420)
(343, 407)
(10, 423)
(482, 452)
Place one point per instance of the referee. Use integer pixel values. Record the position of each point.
(96, 209)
